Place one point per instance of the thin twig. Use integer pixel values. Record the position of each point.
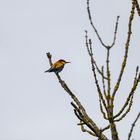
(133, 125)
(90, 19)
(107, 127)
(126, 112)
(89, 49)
(90, 52)
(85, 130)
(100, 39)
(93, 60)
(126, 51)
(102, 110)
(103, 82)
(77, 112)
(98, 87)
(115, 32)
(135, 84)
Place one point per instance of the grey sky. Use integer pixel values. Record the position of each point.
(33, 106)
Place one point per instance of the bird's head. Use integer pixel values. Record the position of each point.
(63, 61)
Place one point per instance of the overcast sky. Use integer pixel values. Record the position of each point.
(33, 106)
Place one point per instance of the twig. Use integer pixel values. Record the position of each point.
(102, 110)
(135, 84)
(98, 87)
(115, 32)
(108, 76)
(126, 51)
(85, 130)
(90, 52)
(126, 112)
(137, 7)
(133, 125)
(107, 127)
(90, 19)
(103, 82)
(89, 49)
(77, 112)
(78, 115)
(100, 39)
(49, 57)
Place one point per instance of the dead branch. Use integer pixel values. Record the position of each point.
(85, 118)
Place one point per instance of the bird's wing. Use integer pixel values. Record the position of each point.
(57, 65)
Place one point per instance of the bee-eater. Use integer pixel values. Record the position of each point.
(57, 66)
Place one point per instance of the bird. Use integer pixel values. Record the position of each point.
(57, 66)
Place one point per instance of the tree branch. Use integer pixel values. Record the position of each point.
(90, 19)
(85, 130)
(115, 32)
(100, 39)
(103, 82)
(90, 52)
(107, 127)
(89, 49)
(102, 110)
(85, 118)
(108, 76)
(133, 125)
(130, 97)
(125, 113)
(126, 51)
(137, 7)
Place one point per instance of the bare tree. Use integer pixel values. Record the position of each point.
(106, 97)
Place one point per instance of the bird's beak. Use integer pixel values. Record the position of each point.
(67, 62)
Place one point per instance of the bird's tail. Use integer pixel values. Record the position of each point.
(49, 70)
(46, 71)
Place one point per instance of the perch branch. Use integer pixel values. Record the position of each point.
(82, 120)
(85, 118)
